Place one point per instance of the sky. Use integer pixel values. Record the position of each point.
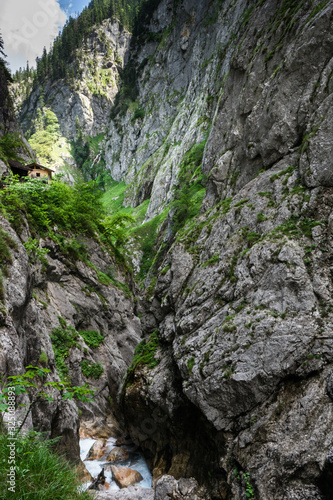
(29, 25)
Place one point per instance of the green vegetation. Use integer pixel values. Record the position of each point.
(113, 200)
(190, 364)
(63, 339)
(115, 227)
(43, 359)
(296, 227)
(213, 260)
(9, 144)
(77, 208)
(139, 113)
(261, 217)
(165, 270)
(34, 383)
(39, 472)
(144, 354)
(6, 244)
(35, 252)
(88, 154)
(147, 235)
(317, 9)
(248, 486)
(114, 196)
(190, 189)
(92, 338)
(47, 133)
(91, 370)
(288, 171)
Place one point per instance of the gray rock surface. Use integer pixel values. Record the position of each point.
(130, 493)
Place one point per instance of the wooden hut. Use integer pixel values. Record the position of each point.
(39, 171)
(18, 168)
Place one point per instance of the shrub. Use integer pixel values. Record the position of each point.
(92, 338)
(138, 114)
(144, 354)
(93, 370)
(77, 208)
(43, 359)
(63, 338)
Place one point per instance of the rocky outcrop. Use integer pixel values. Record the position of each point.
(87, 97)
(127, 494)
(117, 455)
(239, 395)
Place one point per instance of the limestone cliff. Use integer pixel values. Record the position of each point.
(242, 299)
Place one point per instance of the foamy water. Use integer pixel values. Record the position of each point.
(136, 462)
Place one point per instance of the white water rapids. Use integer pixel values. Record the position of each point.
(136, 462)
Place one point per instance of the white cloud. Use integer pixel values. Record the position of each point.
(27, 26)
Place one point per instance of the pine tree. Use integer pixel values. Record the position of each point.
(3, 62)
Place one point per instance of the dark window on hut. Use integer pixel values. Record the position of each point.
(38, 174)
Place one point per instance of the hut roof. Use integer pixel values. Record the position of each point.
(41, 167)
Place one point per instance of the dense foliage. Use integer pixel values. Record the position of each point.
(47, 206)
(63, 339)
(40, 473)
(91, 370)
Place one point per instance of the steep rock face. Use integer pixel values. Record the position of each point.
(89, 95)
(179, 79)
(242, 300)
(9, 124)
(245, 339)
(276, 98)
(37, 294)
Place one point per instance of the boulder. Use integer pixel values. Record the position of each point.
(117, 454)
(187, 489)
(124, 476)
(97, 450)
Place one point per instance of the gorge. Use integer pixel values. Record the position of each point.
(205, 324)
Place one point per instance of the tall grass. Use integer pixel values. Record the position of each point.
(40, 473)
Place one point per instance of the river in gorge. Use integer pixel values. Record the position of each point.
(135, 461)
